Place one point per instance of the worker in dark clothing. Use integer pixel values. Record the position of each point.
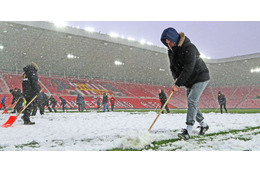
(42, 102)
(34, 106)
(30, 89)
(63, 104)
(105, 102)
(163, 99)
(222, 102)
(53, 103)
(17, 96)
(80, 102)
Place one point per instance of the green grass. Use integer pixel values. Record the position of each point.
(32, 144)
(200, 139)
(232, 111)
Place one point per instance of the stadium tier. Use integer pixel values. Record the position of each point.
(75, 61)
(129, 95)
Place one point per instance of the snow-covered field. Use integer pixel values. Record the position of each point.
(104, 131)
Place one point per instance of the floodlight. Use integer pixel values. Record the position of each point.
(142, 41)
(130, 39)
(118, 63)
(161, 69)
(203, 56)
(112, 34)
(149, 43)
(1, 47)
(255, 70)
(89, 29)
(60, 24)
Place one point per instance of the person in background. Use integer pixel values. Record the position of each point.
(163, 99)
(105, 102)
(63, 104)
(53, 103)
(17, 96)
(3, 102)
(83, 104)
(30, 89)
(79, 101)
(42, 102)
(112, 102)
(222, 102)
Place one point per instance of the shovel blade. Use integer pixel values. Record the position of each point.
(9, 122)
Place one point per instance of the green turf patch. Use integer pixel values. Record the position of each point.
(32, 144)
(199, 139)
(172, 111)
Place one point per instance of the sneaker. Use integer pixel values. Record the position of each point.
(184, 135)
(29, 123)
(203, 130)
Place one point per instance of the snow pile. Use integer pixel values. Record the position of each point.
(137, 140)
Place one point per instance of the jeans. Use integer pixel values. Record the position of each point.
(106, 107)
(193, 96)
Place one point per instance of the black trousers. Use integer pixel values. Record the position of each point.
(53, 107)
(80, 107)
(223, 105)
(112, 107)
(166, 107)
(34, 107)
(28, 110)
(41, 107)
(64, 108)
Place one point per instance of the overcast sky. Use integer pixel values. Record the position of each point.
(214, 39)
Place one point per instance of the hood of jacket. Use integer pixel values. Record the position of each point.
(172, 35)
(29, 68)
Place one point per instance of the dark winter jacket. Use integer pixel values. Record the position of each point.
(43, 99)
(80, 99)
(30, 82)
(53, 100)
(105, 99)
(16, 95)
(185, 62)
(221, 98)
(63, 101)
(162, 96)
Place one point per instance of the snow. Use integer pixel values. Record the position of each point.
(104, 131)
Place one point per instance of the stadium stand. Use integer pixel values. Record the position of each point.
(74, 61)
(237, 97)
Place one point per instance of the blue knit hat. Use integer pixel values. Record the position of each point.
(170, 34)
